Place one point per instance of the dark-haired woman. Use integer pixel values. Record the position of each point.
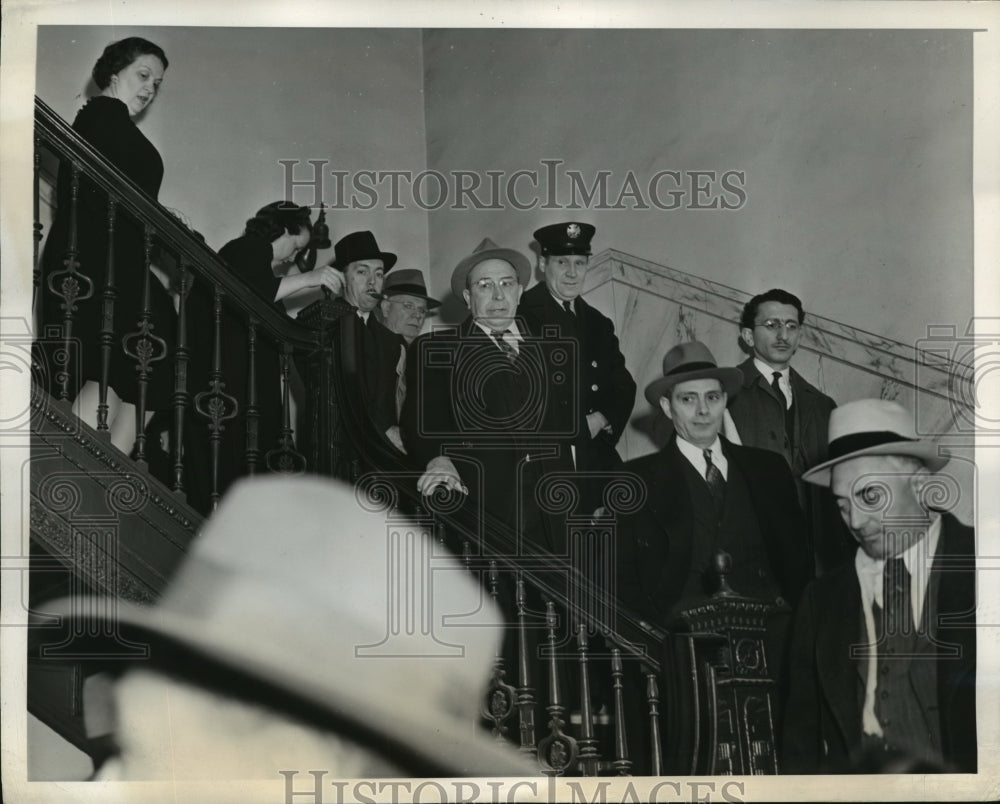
(270, 241)
(128, 73)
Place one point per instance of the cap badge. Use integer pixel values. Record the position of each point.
(573, 231)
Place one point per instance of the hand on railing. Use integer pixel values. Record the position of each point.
(440, 472)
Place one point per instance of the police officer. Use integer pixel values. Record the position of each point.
(605, 388)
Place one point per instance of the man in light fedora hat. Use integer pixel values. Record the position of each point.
(272, 651)
(705, 494)
(605, 393)
(883, 658)
(480, 404)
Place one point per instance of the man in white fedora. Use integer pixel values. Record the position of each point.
(272, 650)
(883, 660)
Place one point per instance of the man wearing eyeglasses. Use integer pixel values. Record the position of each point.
(405, 303)
(778, 410)
(479, 415)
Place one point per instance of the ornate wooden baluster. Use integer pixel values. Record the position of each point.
(501, 697)
(284, 457)
(589, 755)
(67, 287)
(525, 692)
(653, 699)
(144, 347)
(253, 409)
(107, 319)
(557, 750)
(181, 395)
(621, 763)
(36, 275)
(215, 405)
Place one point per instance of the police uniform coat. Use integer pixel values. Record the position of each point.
(823, 732)
(605, 384)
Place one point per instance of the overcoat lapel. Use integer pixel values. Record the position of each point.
(837, 631)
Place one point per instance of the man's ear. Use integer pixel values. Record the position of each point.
(747, 334)
(918, 483)
(665, 407)
(467, 296)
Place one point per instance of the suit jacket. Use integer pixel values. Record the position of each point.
(822, 731)
(604, 383)
(371, 353)
(655, 543)
(496, 420)
(759, 418)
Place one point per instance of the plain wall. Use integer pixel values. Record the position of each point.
(856, 148)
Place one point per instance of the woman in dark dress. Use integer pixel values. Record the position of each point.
(271, 240)
(128, 73)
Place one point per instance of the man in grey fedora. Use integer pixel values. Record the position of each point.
(479, 415)
(405, 303)
(705, 494)
(883, 656)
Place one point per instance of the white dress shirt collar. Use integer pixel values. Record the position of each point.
(784, 382)
(696, 456)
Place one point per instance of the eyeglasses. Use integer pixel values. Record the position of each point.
(410, 307)
(507, 284)
(774, 324)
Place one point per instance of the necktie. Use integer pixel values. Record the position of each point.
(400, 381)
(776, 385)
(716, 482)
(568, 307)
(896, 605)
(505, 346)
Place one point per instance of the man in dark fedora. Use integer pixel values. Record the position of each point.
(883, 655)
(267, 655)
(605, 392)
(373, 351)
(479, 411)
(405, 303)
(704, 494)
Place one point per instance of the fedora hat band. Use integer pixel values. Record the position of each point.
(848, 444)
(684, 368)
(405, 289)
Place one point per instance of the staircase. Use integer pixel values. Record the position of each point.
(101, 523)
